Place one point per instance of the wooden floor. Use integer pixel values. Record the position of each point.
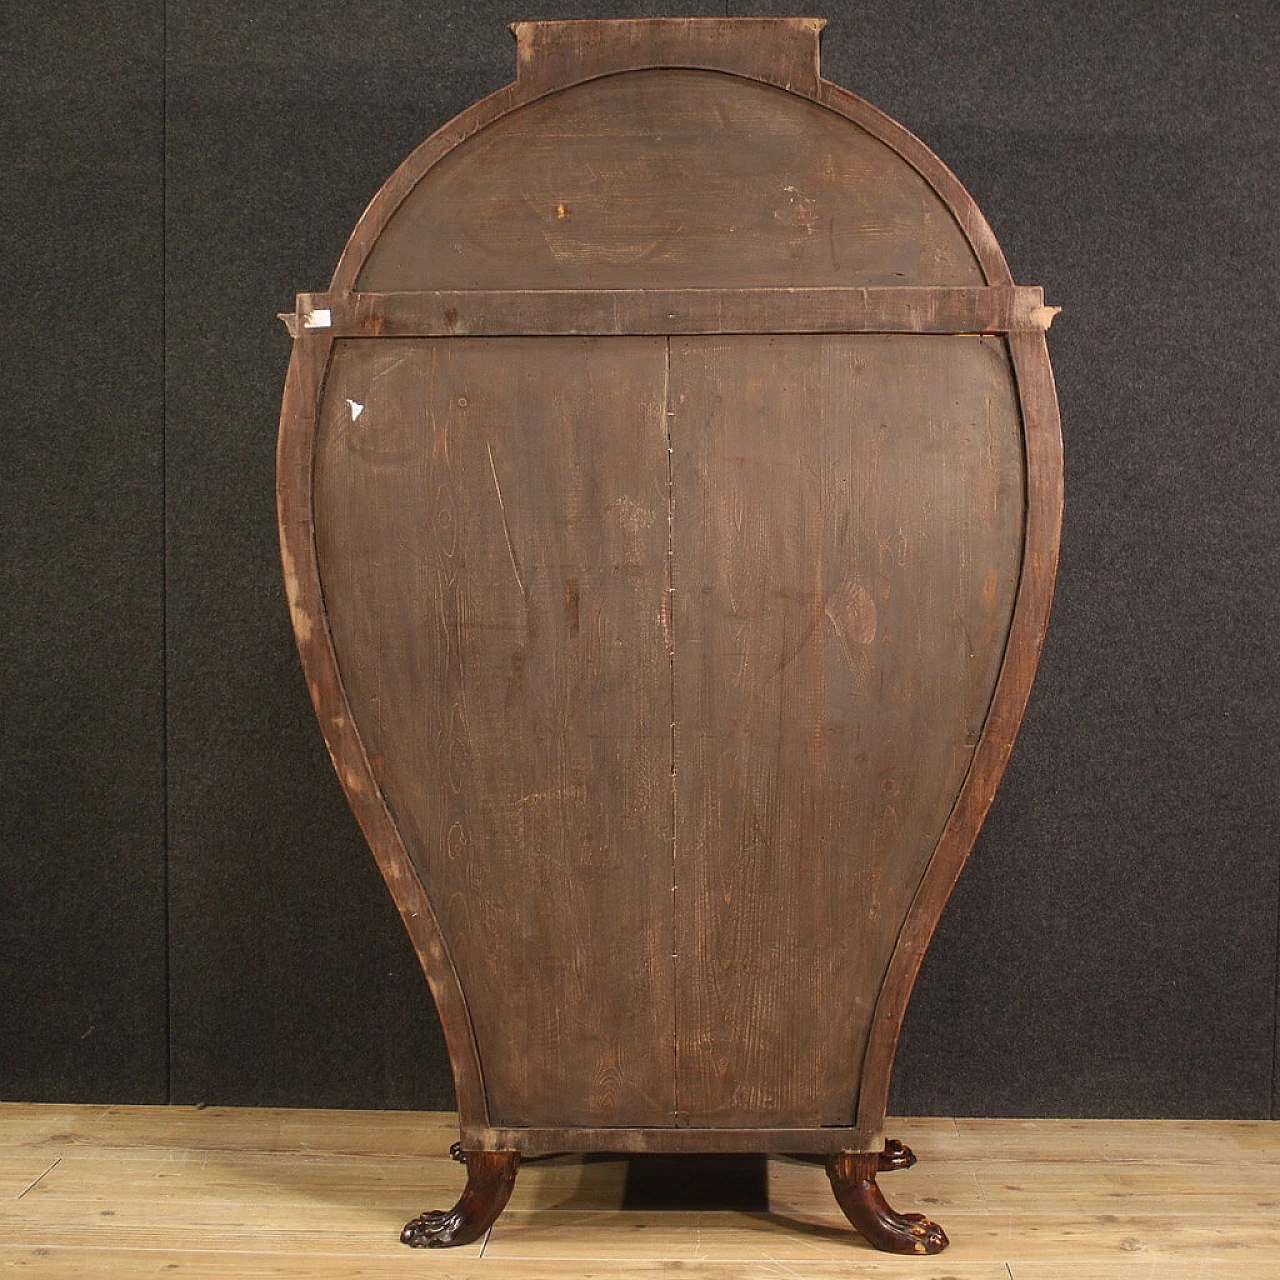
(155, 1191)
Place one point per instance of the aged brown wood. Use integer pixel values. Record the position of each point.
(490, 1177)
(896, 1155)
(895, 506)
(670, 484)
(660, 179)
(794, 1140)
(826, 309)
(785, 53)
(294, 459)
(1042, 436)
(853, 1181)
(508, 671)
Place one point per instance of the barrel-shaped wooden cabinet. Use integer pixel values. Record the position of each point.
(670, 485)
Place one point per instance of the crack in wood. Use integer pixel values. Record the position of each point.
(36, 1181)
(506, 528)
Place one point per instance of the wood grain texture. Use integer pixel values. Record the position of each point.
(492, 539)
(848, 524)
(824, 309)
(944, 184)
(295, 459)
(782, 51)
(668, 179)
(684, 756)
(222, 1192)
(681, 1139)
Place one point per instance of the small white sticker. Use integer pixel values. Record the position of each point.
(356, 409)
(317, 320)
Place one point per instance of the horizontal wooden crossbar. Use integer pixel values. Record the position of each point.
(517, 312)
(540, 1141)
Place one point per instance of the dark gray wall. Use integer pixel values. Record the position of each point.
(82, 868)
(189, 911)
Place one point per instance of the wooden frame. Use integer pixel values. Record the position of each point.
(457, 313)
(553, 57)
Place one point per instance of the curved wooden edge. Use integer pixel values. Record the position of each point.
(949, 189)
(388, 198)
(1042, 433)
(294, 460)
(529, 88)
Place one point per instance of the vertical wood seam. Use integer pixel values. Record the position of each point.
(668, 605)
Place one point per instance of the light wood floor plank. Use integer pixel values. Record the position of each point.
(974, 1237)
(1194, 1141)
(26, 1124)
(19, 1175)
(153, 1191)
(1247, 1266)
(344, 1245)
(161, 1178)
(374, 1133)
(801, 1186)
(61, 1263)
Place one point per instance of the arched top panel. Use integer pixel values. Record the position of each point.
(668, 178)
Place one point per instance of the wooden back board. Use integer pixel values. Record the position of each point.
(670, 489)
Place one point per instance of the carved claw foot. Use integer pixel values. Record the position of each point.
(437, 1230)
(490, 1176)
(896, 1155)
(853, 1180)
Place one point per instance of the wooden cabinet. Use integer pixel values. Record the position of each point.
(670, 486)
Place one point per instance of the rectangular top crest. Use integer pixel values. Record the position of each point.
(781, 51)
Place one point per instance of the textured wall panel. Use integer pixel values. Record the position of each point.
(82, 939)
